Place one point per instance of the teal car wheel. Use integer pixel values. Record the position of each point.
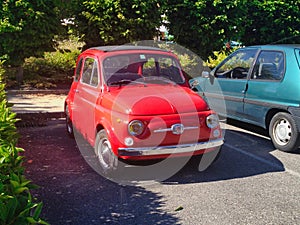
(283, 131)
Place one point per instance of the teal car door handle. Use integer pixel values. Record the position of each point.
(246, 88)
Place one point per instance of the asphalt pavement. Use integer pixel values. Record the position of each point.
(251, 183)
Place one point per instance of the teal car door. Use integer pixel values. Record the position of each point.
(225, 93)
(264, 89)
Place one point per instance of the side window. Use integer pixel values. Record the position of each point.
(269, 66)
(90, 72)
(149, 68)
(94, 78)
(237, 65)
(78, 70)
(162, 66)
(169, 69)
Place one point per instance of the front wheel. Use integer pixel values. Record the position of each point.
(107, 159)
(284, 133)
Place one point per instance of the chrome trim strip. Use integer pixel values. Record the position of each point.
(170, 129)
(170, 149)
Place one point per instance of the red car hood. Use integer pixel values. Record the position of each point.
(153, 100)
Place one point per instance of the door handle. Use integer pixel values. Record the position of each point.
(76, 91)
(246, 88)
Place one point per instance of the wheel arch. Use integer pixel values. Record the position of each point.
(110, 134)
(271, 113)
(65, 105)
(68, 104)
(98, 128)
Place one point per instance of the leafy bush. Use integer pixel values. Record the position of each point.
(218, 56)
(53, 69)
(53, 63)
(16, 203)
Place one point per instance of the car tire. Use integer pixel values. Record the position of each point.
(69, 124)
(284, 133)
(107, 160)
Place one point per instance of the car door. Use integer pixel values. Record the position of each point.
(225, 92)
(264, 89)
(87, 94)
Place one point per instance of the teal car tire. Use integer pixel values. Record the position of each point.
(284, 133)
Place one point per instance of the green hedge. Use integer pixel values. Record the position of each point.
(16, 203)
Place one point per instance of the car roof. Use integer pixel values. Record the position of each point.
(276, 47)
(113, 48)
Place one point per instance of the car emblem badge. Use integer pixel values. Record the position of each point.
(177, 128)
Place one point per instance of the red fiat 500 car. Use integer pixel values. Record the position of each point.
(134, 103)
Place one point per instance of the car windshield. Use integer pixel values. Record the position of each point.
(148, 68)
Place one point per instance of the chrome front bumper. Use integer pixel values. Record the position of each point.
(170, 149)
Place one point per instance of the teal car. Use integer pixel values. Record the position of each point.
(259, 85)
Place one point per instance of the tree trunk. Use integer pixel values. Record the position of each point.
(20, 74)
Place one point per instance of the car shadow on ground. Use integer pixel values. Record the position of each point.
(247, 152)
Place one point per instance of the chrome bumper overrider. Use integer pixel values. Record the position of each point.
(170, 149)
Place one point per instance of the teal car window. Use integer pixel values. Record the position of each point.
(269, 66)
(237, 65)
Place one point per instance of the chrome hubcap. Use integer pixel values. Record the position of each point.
(104, 154)
(282, 132)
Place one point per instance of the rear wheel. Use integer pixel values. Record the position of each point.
(283, 131)
(69, 124)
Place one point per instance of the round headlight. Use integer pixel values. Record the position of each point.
(136, 127)
(212, 121)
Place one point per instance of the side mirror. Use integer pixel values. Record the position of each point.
(205, 74)
(194, 83)
(210, 75)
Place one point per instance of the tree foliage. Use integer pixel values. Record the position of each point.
(109, 22)
(203, 26)
(27, 29)
(271, 21)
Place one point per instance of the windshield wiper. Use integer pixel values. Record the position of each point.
(127, 81)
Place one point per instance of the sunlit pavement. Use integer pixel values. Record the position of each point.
(38, 101)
